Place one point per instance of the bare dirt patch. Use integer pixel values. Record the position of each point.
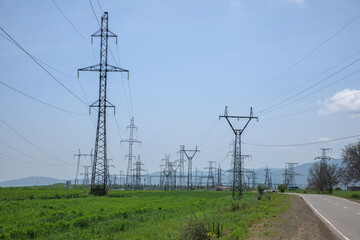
(299, 222)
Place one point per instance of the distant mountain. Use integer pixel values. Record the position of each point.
(30, 181)
(300, 178)
(276, 174)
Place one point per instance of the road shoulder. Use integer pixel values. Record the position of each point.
(299, 222)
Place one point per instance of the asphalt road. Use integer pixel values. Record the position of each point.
(341, 215)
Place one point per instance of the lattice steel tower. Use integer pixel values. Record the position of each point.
(267, 181)
(99, 177)
(190, 155)
(129, 174)
(138, 169)
(289, 179)
(181, 165)
(237, 175)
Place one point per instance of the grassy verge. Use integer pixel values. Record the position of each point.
(43, 213)
(338, 193)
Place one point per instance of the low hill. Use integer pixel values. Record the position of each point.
(31, 181)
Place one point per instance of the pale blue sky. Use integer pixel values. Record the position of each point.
(187, 60)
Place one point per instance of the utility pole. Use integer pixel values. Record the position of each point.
(129, 174)
(99, 168)
(237, 176)
(190, 155)
(79, 155)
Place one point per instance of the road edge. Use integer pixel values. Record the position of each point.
(323, 219)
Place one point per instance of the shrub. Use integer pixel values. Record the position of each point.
(338, 189)
(195, 230)
(282, 187)
(261, 189)
(355, 196)
(235, 205)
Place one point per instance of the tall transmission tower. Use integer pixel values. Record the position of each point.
(219, 183)
(99, 177)
(323, 167)
(181, 165)
(210, 177)
(79, 155)
(289, 175)
(138, 169)
(129, 174)
(169, 174)
(237, 175)
(190, 155)
(86, 182)
(267, 181)
(253, 179)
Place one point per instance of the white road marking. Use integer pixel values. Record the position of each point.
(358, 213)
(336, 204)
(345, 207)
(325, 219)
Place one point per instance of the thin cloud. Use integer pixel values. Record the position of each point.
(347, 101)
(236, 3)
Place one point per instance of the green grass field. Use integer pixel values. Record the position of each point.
(56, 213)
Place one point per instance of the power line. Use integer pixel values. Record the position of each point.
(312, 108)
(301, 144)
(68, 20)
(37, 62)
(93, 10)
(300, 60)
(19, 160)
(305, 82)
(31, 143)
(26, 155)
(310, 87)
(296, 100)
(40, 101)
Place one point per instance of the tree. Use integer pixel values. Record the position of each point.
(324, 177)
(351, 162)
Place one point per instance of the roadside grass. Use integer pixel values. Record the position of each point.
(338, 193)
(44, 213)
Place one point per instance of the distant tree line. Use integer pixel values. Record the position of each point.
(323, 177)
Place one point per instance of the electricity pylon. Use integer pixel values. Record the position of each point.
(289, 175)
(323, 167)
(169, 174)
(237, 175)
(129, 174)
(267, 181)
(210, 177)
(79, 155)
(86, 176)
(138, 169)
(190, 155)
(181, 165)
(99, 177)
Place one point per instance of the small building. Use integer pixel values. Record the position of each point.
(68, 184)
(353, 188)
